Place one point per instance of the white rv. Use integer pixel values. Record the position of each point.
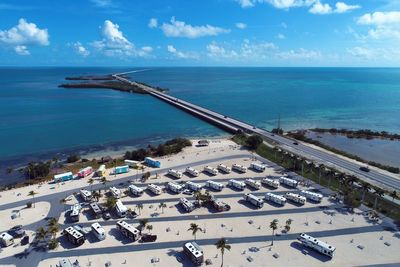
(236, 184)
(280, 200)
(155, 189)
(289, 182)
(257, 167)
(115, 192)
(311, 195)
(239, 168)
(86, 195)
(121, 209)
(193, 186)
(128, 230)
(98, 231)
(254, 184)
(131, 163)
(101, 171)
(187, 205)
(75, 212)
(192, 171)
(6, 239)
(296, 198)
(136, 191)
(210, 170)
(175, 173)
(317, 245)
(194, 252)
(270, 182)
(214, 185)
(224, 168)
(176, 188)
(258, 202)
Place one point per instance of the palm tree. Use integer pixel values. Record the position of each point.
(222, 245)
(32, 194)
(394, 195)
(149, 227)
(287, 225)
(143, 223)
(96, 195)
(378, 193)
(40, 234)
(162, 206)
(111, 202)
(273, 225)
(104, 181)
(90, 181)
(53, 229)
(320, 168)
(139, 206)
(365, 188)
(53, 244)
(194, 228)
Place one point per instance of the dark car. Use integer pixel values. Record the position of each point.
(295, 143)
(149, 238)
(17, 231)
(364, 169)
(106, 216)
(25, 240)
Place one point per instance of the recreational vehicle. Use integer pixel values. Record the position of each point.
(95, 209)
(186, 204)
(317, 245)
(176, 188)
(121, 169)
(253, 184)
(121, 209)
(175, 173)
(210, 170)
(270, 182)
(296, 198)
(74, 236)
(311, 195)
(194, 252)
(214, 185)
(220, 205)
(65, 263)
(131, 163)
(86, 195)
(136, 191)
(98, 231)
(192, 171)
(63, 177)
(85, 172)
(288, 182)
(239, 168)
(155, 189)
(257, 167)
(236, 184)
(128, 230)
(280, 200)
(115, 192)
(193, 186)
(152, 162)
(224, 168)
(101, 171)
(258, 202)
(6, 239)
(75, 212)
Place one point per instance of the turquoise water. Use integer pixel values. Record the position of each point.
(38, 119)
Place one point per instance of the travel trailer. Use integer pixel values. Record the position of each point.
(75, 212)
(6, 239)
(175, 173)
(95, 209)
(289, 182)
(131, 163)
(86, 195)
(270, 182)
(187, 205)
(176, 188)
(121, 209)
(98, 231)
(311, 195)
(253, 184)
(258, 202)
(317, 245)
(280, 200)
(239, 168)
(236, 184)
(193, 186)
(121, 169)
(155, 189)
(74, 236)
(257, 167)
(219, 205)
(85, 172)
(136, 191)
(210, 170)
(194, 252)
(115, 192)
(224, 168)
(296, 198)
(193, 172)
(101, 171)
(214, 185)
(152, 162)
(128, 230)
(63, 177)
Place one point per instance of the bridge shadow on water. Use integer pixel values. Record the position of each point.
(309, 251)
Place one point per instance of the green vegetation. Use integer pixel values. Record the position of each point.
(363, 133)
(32, 194)
(173, 146)
(273, 225)
(37, 169)
(194, 228)
(222, 245)
(73, 158)
(111, 202)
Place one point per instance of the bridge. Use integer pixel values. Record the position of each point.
(390, 182)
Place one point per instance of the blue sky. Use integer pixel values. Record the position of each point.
(200, 33)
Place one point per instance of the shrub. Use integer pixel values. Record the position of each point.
(254, 141)
(29, 205)
(73, 158)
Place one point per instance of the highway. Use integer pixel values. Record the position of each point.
(232, 125)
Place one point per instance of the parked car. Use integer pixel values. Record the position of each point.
(364, 168)
(25, 240)
(187, 192)
(148, 238)
(295, 143)
(17, 231)
(106, 216)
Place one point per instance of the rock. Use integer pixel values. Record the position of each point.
(275, 255)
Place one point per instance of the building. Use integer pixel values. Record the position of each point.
(63, 177)
(194, 252)
(6, 239)
(74, 236)
(128, 230)
(152, 162)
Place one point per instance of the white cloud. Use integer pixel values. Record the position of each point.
(179, 54)
(102, 3)
(145, 51)
(323, 9)
(153, 23)
(246, 3)
(375, 55)
(383, 25)
(300, 54)
(342, 7)
(361, 52)
(320, 8)
(23, 35)
(241, 25)
(180, 29)
(281, 36)
(80, 49)
(281, 4)
(246, 52)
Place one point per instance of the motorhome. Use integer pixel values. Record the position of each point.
(115, 192)
(258, 202)
(155, 189)
(85, 172)
(75, 212)
(131, 163)
(187, 205)
(239, 168)
(270, 182)
(95, 209)
(194, 252)
(63, 177)
(236, 184)
(176, 188)
(192, 171)
(175, 173)
(193, 186)
(289, 182)
(101, 171)
(98, 231)
(214, 185)
(121, 209)
(65, 263)
(121, 169)
(311, 195)
(136, 191)
(224, 168)
(219, 205)
(280, 200)
(74, 236)
(6, 239)
(296, 198)
(152, 162)
(317, 245)
(252, 183)
(128, 230)
(210, 170)
(257, 167)
(86, 195)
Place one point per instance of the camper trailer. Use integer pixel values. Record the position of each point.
(63, 177)
(152, 162)
(131, 163)
(86, 195)
(98, 231)
(214, 185)
(175, 173)
(252, 183)
(193, 186)
(194, 252)
(257, 167)
(311, 195)
(288, 182)
(223, 168)
(187, 205)
(155, 189)
(296, 198)
(317, 245)
(219, 205)
(115, 192)
(128, 230)
(95, 209)
(236, 184)
(176, 188)
(101, 171)
(192, 171)
(210, 170)
(136, 191)
(75, 212)
(121, 169)
(6, 239)
(258, 202)
(85, 172)
(280, 200)
(121, 209)
(239, 168)
(270, 182)
(74, 236)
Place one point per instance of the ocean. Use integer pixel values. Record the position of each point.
(40, 120)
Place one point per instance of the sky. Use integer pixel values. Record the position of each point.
(282, 33)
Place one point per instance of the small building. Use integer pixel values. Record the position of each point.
(101, 171)
(6, 239)
(152, 162)
(85, 172)
(203, 143)
(121, 169)
(62, 177)
(74, 236)
(95, 209)
(194, 252)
